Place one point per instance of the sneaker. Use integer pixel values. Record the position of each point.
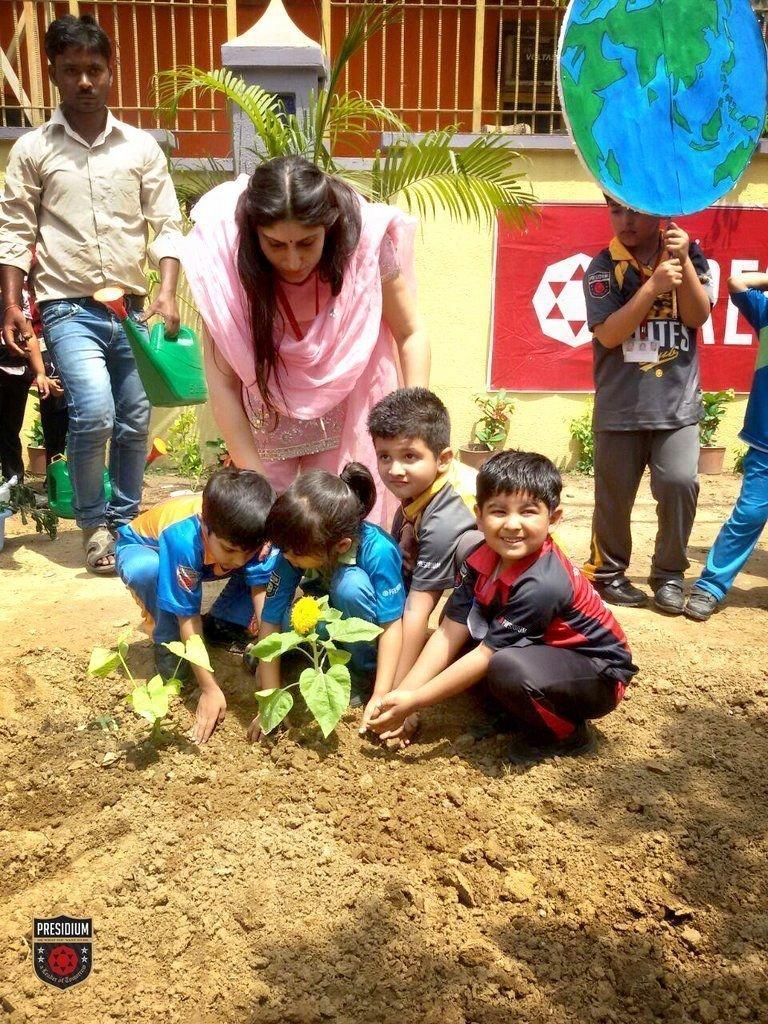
(700, 605)
(526, 752)
(669, 598)
(221, 633)
(621, 592)
(166, 665)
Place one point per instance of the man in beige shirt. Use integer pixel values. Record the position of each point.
(83, 191)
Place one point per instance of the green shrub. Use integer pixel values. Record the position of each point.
(713, 409)
(184, 446)
(583, 435)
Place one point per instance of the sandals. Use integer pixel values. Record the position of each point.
(99, 544)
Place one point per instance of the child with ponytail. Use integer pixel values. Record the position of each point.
(327, 547)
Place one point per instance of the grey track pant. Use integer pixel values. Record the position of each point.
(620, 459)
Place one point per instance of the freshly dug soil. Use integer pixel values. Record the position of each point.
(308, 881)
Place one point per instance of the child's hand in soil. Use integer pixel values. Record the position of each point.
(405, 735)
(211, 709)
(368, 714)
(255, 732)
(391, 711)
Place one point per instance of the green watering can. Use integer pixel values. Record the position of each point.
(59, 487)
(171, 369)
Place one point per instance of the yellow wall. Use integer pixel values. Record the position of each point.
(454, 268)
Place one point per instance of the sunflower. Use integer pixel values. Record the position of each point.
(305, 615)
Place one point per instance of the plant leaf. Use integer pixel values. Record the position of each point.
(353, 630)
(175, 647)
(103, 661)
(142, 703)
(336, 656)
(274, 705)
(276, 644)
(326, 694)
(196, 653)
(155, 685)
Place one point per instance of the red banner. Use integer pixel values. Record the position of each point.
(540, 338)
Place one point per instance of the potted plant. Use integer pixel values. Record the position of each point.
(491, 430)
(711, 455)
(36, 446)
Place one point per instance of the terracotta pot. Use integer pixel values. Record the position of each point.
(36, 460)
(475, 455)
(711, 460)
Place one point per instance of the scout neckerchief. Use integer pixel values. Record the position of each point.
(288, 309)
(409, 535)
(623, 260)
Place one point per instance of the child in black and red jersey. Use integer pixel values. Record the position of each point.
(548, 649)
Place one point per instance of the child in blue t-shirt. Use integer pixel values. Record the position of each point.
(327, 547)
(166, 554)
(739, 535)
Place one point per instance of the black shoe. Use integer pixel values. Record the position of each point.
(249, 660)
(581, 741)
(621, 592)
(669, 598)
(700, 605)
(361, 690)
(221, 633)
(170, 667)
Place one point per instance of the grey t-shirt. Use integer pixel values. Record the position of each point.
(662, 393)
(443, 523)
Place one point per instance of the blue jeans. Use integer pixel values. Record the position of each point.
(739, 535)
(137, 567)
(106, 402)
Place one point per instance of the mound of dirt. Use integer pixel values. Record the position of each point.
(308, 881)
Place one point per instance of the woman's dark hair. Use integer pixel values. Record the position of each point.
(320, 509)
(83, 33)
(515, 472)
(236, 503)
(289, 188)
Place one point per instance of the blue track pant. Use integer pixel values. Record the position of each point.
(739, 535)
(138, 565)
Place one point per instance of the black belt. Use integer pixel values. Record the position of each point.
(134, 303)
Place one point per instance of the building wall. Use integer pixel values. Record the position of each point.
(455, 272)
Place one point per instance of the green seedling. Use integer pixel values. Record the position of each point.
(326, 684)
(150, 700)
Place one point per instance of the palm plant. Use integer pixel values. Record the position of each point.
(472, 183)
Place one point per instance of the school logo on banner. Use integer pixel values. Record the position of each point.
(62, 950)
(559, 301)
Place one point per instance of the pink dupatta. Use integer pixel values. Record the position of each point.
(347, 352)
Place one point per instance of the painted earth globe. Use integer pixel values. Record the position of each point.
(665, 99)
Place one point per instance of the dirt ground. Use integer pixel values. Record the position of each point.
(312, 881)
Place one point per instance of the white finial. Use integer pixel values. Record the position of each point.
(274, 31)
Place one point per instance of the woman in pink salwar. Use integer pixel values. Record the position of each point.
(307, 295)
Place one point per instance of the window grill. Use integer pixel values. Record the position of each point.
(476, 64)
